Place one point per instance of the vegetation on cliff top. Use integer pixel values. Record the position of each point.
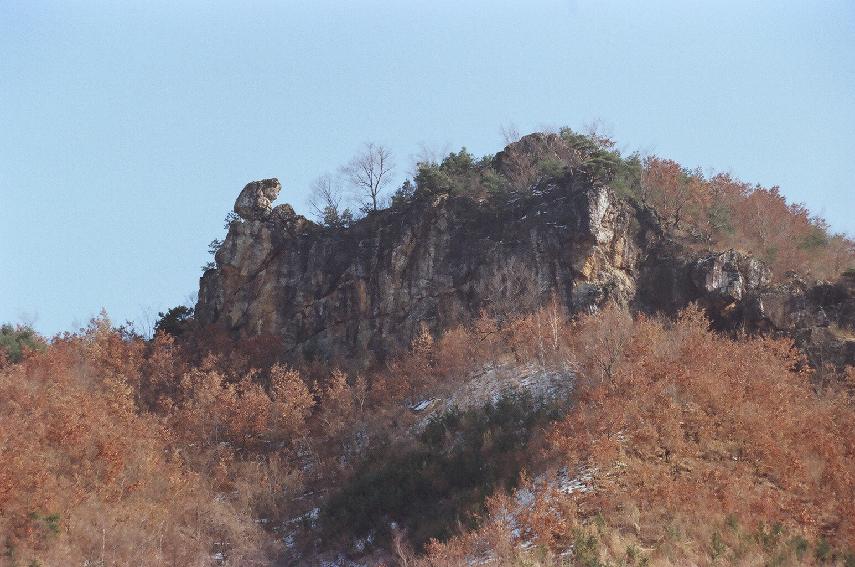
(714, 211)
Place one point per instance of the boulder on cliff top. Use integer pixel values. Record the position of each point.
(255, 202)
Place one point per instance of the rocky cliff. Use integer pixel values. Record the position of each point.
(437, 261)
(441, 260)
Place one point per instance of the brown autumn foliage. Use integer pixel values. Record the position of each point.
(86, 477)
(118, 451)
(700, 420)
(684, 433)
(723, 212)
(114, 449)
(678, 196)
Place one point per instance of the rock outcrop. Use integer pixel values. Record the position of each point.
(255, 201)
(819, 317)
(729, 285)
(442, 260)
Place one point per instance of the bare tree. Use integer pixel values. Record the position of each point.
(599, 133)
(146, 322)
(369, 172)
(510, 133)
(325, 198)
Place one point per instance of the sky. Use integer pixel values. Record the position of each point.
(127, 129)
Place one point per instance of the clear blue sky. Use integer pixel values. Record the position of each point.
(127, 129)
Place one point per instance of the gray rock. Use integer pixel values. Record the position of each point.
(730, 275)
(255, 201)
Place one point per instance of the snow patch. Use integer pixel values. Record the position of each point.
(422, 405)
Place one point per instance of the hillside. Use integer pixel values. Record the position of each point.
(556, 355)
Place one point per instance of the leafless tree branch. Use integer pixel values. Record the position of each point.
(369, 172)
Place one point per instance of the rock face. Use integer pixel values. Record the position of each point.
(438, 261)
(441, 260)
(819, 317)
(729, 284)
(729, 276)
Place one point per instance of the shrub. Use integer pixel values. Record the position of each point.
(175, 322)
(404, 194)
(15, 341)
